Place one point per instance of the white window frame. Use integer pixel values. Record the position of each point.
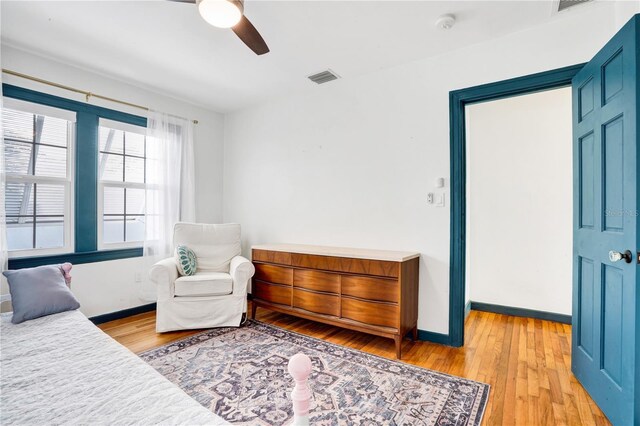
(112, 246)
(68, 182)
(102, 184)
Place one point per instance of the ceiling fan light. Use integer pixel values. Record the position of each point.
(221, 13)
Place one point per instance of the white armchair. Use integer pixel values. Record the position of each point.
(216, 295)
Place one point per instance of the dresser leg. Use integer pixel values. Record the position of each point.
(414, 333)
(253, 310)
(398, 340)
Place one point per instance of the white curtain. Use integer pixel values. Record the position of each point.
(170, 193)
(4, 256)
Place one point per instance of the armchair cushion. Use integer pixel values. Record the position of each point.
(214, 245)
(204, 284)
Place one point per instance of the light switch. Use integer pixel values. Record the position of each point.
(439, 201)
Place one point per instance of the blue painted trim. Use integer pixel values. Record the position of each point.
(29, 95)
(101, 319)
(637, 325)
(86, 177)
(458, 99)
(86, 182)
(430, 336)
(75, 258)
(521, 312)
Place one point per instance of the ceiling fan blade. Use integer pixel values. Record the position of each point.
(250, 36)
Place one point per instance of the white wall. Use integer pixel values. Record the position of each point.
(110, 286)
(519, 201)
(350, 162)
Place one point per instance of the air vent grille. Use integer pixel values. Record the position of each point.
(566, 4)
(324, 77)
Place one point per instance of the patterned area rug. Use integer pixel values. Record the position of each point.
(241, 375)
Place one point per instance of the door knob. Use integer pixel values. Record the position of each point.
(615, 256)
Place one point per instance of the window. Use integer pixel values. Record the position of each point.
(75, 180)
(122, 173)
(38, 141)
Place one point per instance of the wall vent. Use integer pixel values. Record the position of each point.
(324, 77)
(566, 4)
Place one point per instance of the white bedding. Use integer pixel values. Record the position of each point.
(61, 369)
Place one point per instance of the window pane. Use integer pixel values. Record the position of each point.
(54, 131)
(51, 161)
(49, 232)
(134, 144)
(134, 170)
(113, 201)
(18, 199)
(19, 233)
(17, 125)
(110, 167)
(49, 200)
(111, 140)
(135, 228)
(41, 130)
(122, 159)
(113, 229)
(17, 157)
(135, 201)
(36, 145)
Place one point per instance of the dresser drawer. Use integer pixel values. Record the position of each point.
(279, 257)
(318, 303)
(274, 274)
(371, 288)
(373, 313)
(381, 268)
(271, 293)
(316, 280)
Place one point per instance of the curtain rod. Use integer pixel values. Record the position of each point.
(87, 95)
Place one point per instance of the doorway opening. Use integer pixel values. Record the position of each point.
(519, 205)
(458, 101)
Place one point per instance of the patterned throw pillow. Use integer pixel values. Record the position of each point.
(187, 262)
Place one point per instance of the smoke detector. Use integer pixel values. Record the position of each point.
(446, 22)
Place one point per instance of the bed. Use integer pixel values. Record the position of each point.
(61, 369)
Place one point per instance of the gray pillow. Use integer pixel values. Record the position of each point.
(40, 291)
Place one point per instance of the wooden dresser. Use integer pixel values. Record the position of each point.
(371, 291)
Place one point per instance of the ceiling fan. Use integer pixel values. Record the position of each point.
(230, 14)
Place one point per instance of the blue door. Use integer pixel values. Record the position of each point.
(606, 302)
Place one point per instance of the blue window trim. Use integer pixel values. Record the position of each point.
(86, 178)
(75, 258)
(458, 99)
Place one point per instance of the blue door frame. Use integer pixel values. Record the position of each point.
(458, 99)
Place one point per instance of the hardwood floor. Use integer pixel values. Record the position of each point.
(526, 361)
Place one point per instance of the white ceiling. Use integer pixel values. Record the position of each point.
(167, 47)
